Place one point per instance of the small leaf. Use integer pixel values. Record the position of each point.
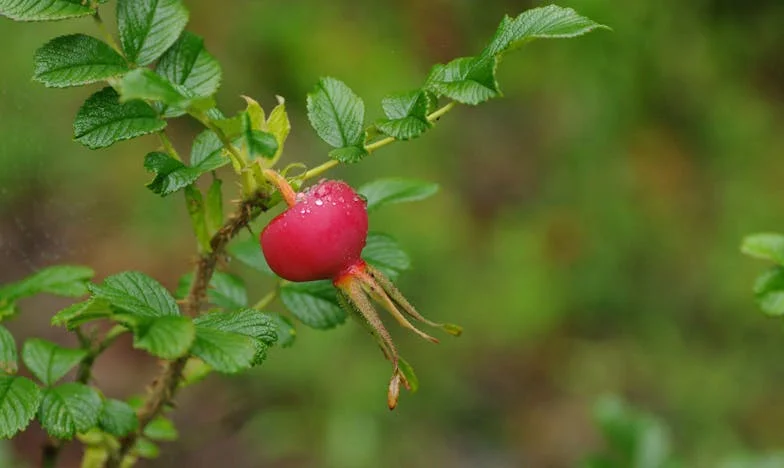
(224, 351)
(75, 60)
(227, 291)
(248, 251)
(19, 399)
(149, 27)
(213, 207)
(172, 175)
(143, 83)
(168, 337)
(81, 313)
(68, 409)
(467, 80)
(408, 373)
(348, 154)
(43, 10)
(260, 143)
(766, 245)
(136, 294)
(337, 115)
(393, 190)
(117, 418)
(286, 331)
(279, 126)
(384, 253)
(60, 280)
(246, 322)
(146, 449)
(48, 361)
(313, 303)
(206, 151)
(188, 64)
(162, 429)
(8, 355)
(103, 120)
(406, 115)
(195, 204)
(769, 291)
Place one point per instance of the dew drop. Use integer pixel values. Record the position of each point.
(319, 202)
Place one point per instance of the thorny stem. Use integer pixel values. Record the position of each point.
(165, 386)
(283, 186)
(318, 170)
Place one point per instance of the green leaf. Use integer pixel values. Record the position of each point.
(279, 126)
(384, 253)
(145, 84)
(60, 280)
(69, 408)
(225, 290)
(187, 63)
(408, 373)
(224, 351)
(149, 27)
(195, 204)
(43, 10)
(286, 331)
(550, 21)
(146, 449)
(313, 303)
(168, 337)
(467, 80)
(103, 120)
(765, 245)
(260, 143)
(136, 294)
(8, 356)
(81, 313)
(246, 322)
(406, 115)
(206, 151)
(75, 60)
(248, 251)
(394, 190)
(337, 115)
(213, 207)
(19, 399)
(117, 418)
(48, 361)
(161, 428)
(769, 291)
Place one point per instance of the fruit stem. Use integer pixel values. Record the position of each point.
(288, 194)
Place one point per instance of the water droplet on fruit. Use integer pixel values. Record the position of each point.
(319, 202)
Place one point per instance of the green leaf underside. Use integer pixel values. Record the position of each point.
(145, 84)
(75, 60)
(313, 303)
(224, 351)
(8, 353)
(103, 120)
(248, 252)
(19, 400)
(187, 63)
(406, 115)
(137, 294)
(168, 337)
(213, 206)
(149, 27)
(81, 313)
(384, 253)
(117, 418)
(225, 290)
(395, 190)
(769, 291)
(767, 246)
(286, 331)
(43, 10)
(60, 280)
(337, 115)
(162, 429)
(68, 409)
(48, 361)
(246, 322)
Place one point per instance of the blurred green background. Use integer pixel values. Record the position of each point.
(586, 235)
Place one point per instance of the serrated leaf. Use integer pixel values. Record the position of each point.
(406, 115)
(348, 154)
(195, 203)
(137, 294)
(81, 313)
(43, 10)
(206, 151)
(286, 331)
(168, 337)
(103, 120)
(466, 79)
(337, 115)
(75, 60)
(313, 303)
(187, 63)
(69, 408)
(550, 21)
(48, 361)
(172, 175)
(279, 126)
(161, 428)
(225, 290)
(225, 352)
(246, 322)
(149, 27)
(19, 400)
(8, 354)
(60, 280)
(143, 83)
(384, 253)
(248, 251)
(117, 418)
(260, 143)
(395, 190)
(766, 245)
(769, 291)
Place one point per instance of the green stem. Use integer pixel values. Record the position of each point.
(267, 299)
(168, 146)
(318, 170)
(105, 32)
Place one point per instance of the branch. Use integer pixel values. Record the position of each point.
(164, 387)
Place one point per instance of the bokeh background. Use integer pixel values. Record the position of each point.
(586, 234)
